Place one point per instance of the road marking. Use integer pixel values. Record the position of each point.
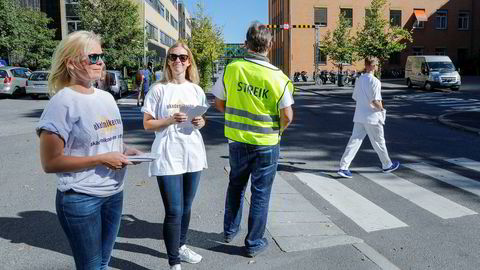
(420, 196)
(448, 177)
(466, 162)
(445, 100)
(464, 103)
(363, 212)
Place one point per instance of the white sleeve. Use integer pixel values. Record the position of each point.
(218, 89)
(152, 99)
(377, 90)
(286, 101)
(57, 118)
(202, 98)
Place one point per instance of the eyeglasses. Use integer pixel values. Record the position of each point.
(173, 57)
(95, 57)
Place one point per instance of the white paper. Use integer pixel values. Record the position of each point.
(147, 157)
(191, 113)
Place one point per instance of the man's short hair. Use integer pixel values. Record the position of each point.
(258, 37)
(370, 61)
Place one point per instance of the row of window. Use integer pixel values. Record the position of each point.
(160, 8)
(152, 33)
(441, 18)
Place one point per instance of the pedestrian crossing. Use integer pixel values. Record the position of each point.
(443, 101)
(372, 217)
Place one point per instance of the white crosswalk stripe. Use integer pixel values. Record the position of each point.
(360, 210)
(420, 196)
(439, 99)
(448, 177)
(372, 217)
(466, 162)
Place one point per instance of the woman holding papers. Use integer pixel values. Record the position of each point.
(173, 109)
(81, 140)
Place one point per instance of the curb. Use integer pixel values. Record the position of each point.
(443, 119)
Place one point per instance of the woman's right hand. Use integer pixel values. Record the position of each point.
(114, 160)
(179, 117)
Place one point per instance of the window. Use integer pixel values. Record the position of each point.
(320, 16)
(152, 31)
(321, 57)
(419, 24)
(396, 18)
(175, 3)
(417, 50)
(463, 20)
(440, 51)
(167, 15)
(348, 14)
(173, 22)
(166, 39)
(73, 25)
(3, 74)
(441, 19)
(158, 6)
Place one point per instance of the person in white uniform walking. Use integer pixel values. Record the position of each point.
(368, 119)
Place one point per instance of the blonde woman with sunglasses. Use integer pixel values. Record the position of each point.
(81, 140)
(181, 146)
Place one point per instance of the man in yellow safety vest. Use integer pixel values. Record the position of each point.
(257, 99)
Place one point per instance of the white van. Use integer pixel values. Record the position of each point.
(431, 71)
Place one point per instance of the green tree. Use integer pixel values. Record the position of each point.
(118, 23)
(339, 45)
(40, 43)
(206, 44)
(24, 35)
(378, 38)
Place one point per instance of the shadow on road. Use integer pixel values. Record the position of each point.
(41, 229)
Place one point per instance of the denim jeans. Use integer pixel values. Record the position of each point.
(91, 225)
(178, 192)
(260, 164)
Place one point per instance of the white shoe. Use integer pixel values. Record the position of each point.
(176, 267)
(188, 255)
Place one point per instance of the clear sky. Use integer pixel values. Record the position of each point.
(234, 15)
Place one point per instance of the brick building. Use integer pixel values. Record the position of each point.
(442, 27)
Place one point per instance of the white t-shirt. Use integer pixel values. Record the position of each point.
(219, 91)
(367, 89)
(89, 124)
(181, 148)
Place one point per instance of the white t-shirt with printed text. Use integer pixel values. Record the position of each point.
(89, 124)
(181, 148)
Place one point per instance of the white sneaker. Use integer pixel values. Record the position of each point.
(188, 255)
(176, 267)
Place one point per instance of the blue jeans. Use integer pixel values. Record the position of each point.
(260, 164)
(178, 192)
(91, 225)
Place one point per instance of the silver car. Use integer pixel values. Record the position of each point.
(115, 83)
(37, 84)
(13, 80)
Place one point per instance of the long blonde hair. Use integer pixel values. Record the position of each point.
(191, 73)
(73, 47)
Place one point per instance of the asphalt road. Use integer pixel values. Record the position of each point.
(427, 237)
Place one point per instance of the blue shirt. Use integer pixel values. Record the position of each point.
(146, 79)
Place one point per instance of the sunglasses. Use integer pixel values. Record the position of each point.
(95, 57)
(173, 57)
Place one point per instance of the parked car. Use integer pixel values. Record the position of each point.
(431, 71)
(13, 80)
(115, 83)
(37, 84)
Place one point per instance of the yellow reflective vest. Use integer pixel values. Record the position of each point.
(253, 93)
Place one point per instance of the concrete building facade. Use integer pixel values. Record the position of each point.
(441, 27)
(160, 19)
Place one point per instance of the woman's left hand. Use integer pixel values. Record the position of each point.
(198, 122)
(130, 151)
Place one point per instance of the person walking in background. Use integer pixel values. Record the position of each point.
(181, 146)
(368, 119)
(81, 140)
(142, 80)
(256, 98)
